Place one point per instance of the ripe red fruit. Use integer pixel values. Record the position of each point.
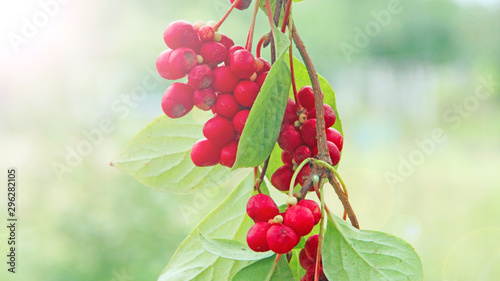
(313, 207)
(226, 41)
(243, 4)
(219, 130)
(213, 52)
(266, 66)
(261, 207)
(177, 100)
(301, 153)
(329, 115)
(231, 51)
(200, 76)
(206, 33)
(281, 238)
(181, 34)
(300, 219)
(311, 247)
(239, 120)
(257, 237)
(290, 112)
(205, 153)
(304, 260)
(224, 80)
(332, 150)
(163, 66)
(303, 175)
(282, 177)
(242, 63)
(306, 97)
(246, 92)
(334, 136)
(289, 140)
(261, 78)
(286, 158)
(308, 133)
(204, 99)
(226, 106)
(309, 276)
(228, 154)
(182, 60)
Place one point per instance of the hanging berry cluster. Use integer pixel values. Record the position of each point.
(308, 257)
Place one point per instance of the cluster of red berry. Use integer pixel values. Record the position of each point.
(307, 259)
(222, 76)
(279, 232)
(298, 139)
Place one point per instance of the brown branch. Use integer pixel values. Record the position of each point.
(343, 198)
(276, 19)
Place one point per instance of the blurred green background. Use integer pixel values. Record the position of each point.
(400, 80)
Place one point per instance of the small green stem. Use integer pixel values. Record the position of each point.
(294, 177)
(321, 232)
(273, 268)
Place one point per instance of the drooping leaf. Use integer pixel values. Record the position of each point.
(264, 121)
(231, 249)
(228, 221)
(261, 270)
(351, 254)
(159, 157)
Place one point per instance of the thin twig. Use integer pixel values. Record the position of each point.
(347, 206)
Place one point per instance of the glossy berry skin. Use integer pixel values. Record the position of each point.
(290, 112)
(205, 153)
(242, 63)
(228, 154)
(289, 140)
(332, 150)
(308, 133)
(224, 80)
(261, 78)
(206, 33)
(231, 51)
(311, 246)
(200, 76)
(163, 66)
(313, 207)
(334, 136)
(182, 60)
(281, 238)
(286, 158)
(246, 92)
(226, 41)
(306, 97)
(301, 153)
(239, 120)
(177, 100)
(261, 207)
(257, 237)
(226, 106)
(304, 260)
(243, 4)
(300, 219)
(219, 130)
(329, 115)
(213, 52)
(204, 99)
(181, 34)
(282, 177)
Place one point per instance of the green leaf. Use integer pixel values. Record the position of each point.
(261, 270)
(159, 157)
(228, 221)
(295, 266)
(353, 254)
(231, 249)
(264, 121)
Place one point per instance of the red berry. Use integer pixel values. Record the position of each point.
(219, 130)
(239, 120)
(313, 207)
(243, 4)
(281, 238)
(290, 112)
(205, 153)
(311, 247)
(308, 133)
(200, 76)
(257, 237)
(226, 41)
(332, 150)
(228, 154)
(301, 153)
(213, 52)
(261, 78)
(177, 100)
(181, 34)
(303, 175)
(182, 60)
(204, 99)
(163, 66)
(282, 177)
(334, 136)
(246, 92)
(243, 64)
(265, 66)
(304, 260)
(206, 33)
(289, 140)
(300, 219)
(329, 115)
(224, 80)
(306, 97)
(261, 207)
(226, 106)
(309, 276)
(286, 158)
(231, 51)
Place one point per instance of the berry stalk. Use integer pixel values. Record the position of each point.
(248, 45)
(270, 276)
(259, 44)
(287, 15)
(221, 21)
(321, 231)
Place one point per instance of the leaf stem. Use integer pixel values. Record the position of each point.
(248, 45)
(221, 21)
(273, 267)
